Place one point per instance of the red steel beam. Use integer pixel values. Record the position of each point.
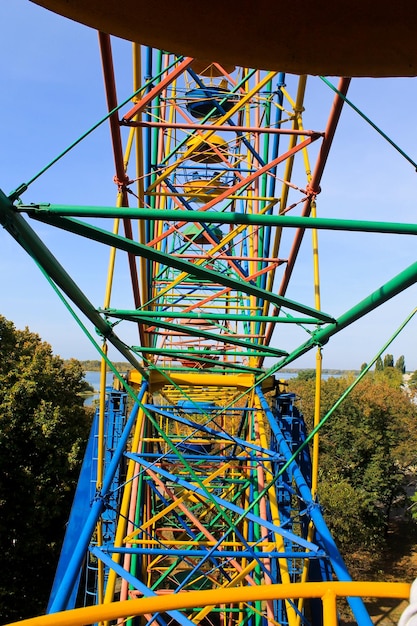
(153, 93)
(314, 189)
(237, 129)
(121, 177)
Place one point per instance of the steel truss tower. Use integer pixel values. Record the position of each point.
(199, 458)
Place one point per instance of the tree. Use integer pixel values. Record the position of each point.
(379, 366)
(400, 364)
(412, 383)
(391, 375)
(43, 430)
(307, 374)
(367, 445)
(388, 361)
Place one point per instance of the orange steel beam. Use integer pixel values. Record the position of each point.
(316, 177)
(223, 291)
(232, 190)
(152, 93)
(225, 257)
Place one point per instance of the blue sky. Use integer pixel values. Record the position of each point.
(52, 92)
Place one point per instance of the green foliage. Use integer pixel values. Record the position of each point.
(379, 366)
(392, 376)
(345, 511)
(308, 374)
(364, 366)
(388, 364)
(412, 383)
(388, 361)
(365, 448)
(43, 430)
(400, 364)
(95, 365)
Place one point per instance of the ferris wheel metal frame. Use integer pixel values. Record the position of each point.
(207, 484)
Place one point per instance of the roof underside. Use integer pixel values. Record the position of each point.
(347, 38)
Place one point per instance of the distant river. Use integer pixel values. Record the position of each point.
(93, 379)
(288, 375)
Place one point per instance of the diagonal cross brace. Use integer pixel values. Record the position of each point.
(133, 247)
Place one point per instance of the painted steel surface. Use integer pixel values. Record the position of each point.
(207, 490)
(328, 592)
(214, 500)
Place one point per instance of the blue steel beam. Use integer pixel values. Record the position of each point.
(236, 554)
(175, 479)
(68, 580)
(270, 455)
(136, 583)
(324, 535)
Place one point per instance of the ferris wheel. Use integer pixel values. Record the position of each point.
(207, 487)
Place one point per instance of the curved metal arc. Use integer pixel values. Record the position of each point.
(233, 595)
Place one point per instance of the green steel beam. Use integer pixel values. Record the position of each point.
(223, 366)
(218, 368)
(26, 237)
(205, 334)
(237, 317)
(211, 217)
(138, 249)
(320, 337)
(168, 351)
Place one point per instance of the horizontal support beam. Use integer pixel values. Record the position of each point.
(203, 357)
(224, 352)
(237, 554)
(243, 382)
(225, 128)
(205, 334)
(136, 314)
(170, 369)
(223, 458)
(211, 217)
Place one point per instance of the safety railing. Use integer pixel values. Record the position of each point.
(329, 592)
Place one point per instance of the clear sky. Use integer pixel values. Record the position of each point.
(52, 92)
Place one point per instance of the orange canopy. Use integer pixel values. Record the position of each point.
(328, 37)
